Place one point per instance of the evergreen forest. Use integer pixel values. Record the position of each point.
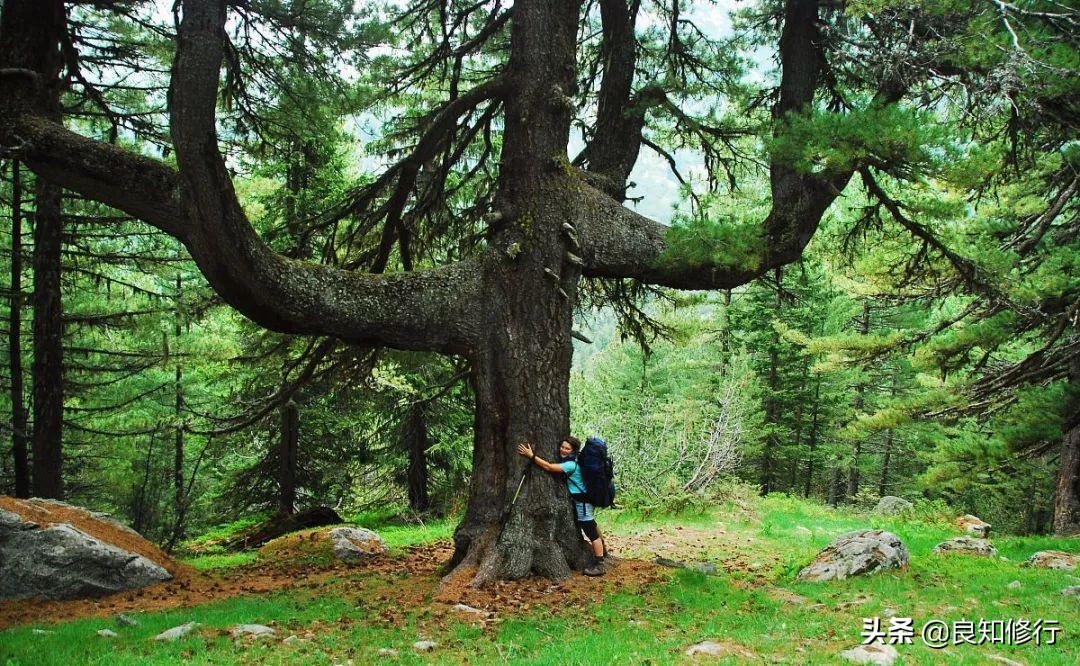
(820, 249)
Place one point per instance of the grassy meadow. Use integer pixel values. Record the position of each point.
(637, 614)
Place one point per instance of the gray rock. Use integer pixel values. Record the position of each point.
(707, 568)
(176, 632)
(889, 612)
(857, 553)
(41, 632)
(468, 609)
(891, 506)
(387, 652)
(125, 620)
(354, 544)
(1015, 585)
(974, 525)
(107, 633)
(256, 630)
(292, 639)
(424, 646)
(715, 649)
(1053, 559)
(874, 653)
(62, 562)
(970, 545)
(1073, 591)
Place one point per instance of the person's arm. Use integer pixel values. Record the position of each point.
(526, 450)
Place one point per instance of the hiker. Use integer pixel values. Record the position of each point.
(583, 511)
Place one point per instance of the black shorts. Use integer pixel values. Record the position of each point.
(592, 532)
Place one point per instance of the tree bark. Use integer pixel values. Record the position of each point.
(415, 440)
(772, 407)
(287, 453)
(179, 500)
(834, 486)
(48, 365)
(858, 404)
(1067, 497)
(813, 439)
(39, 51)
(18, 405)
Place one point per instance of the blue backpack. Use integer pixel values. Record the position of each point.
(598, 472)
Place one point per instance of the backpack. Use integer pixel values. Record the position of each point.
(598, 472)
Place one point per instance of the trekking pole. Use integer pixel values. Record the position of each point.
(520, 484)
(517, 492)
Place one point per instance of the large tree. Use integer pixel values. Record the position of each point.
(551, 220)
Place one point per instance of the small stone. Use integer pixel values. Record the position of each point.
(707, 568)
(891, 506)
(967, 545)
(387, 652)
(1004, 660)
(856, 553)
(1073, 591)
(874, 653)
(175, 632)
(889, 612)
(41, 632)
(424, 646)
(255, 630)
(974, 525)
(106, 633)
(787, 596)
(1053, 559)
(354, 544)
(754, 566)
(468, 609)
(125, 620)
(1015, 585)
(716, 649)
(291, 639)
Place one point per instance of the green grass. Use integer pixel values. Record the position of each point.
(225, 561)
(744, 605)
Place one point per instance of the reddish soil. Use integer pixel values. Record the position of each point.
(407, 580)
(422, 583)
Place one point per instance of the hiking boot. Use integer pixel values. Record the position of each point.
(593, 571)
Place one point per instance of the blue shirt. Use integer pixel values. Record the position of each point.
(574, 481)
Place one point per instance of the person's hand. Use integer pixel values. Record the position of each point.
(525, 450)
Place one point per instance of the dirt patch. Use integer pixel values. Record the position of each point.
(411, 579)
(43, 513)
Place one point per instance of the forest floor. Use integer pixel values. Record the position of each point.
(749, 604)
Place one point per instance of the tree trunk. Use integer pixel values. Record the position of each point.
(772, 408)
(42, 54)
(18, 404)
(415, 440)
(521, 382)
(725, 333)
(860, 402)
(290, 440)
(1067, 498)
(179, 501)
(883, 482)
(48, 367)
(813, 438)
(834, 486)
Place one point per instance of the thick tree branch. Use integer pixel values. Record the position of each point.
(423, 310)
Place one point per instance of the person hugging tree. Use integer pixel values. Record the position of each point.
(583, 511)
